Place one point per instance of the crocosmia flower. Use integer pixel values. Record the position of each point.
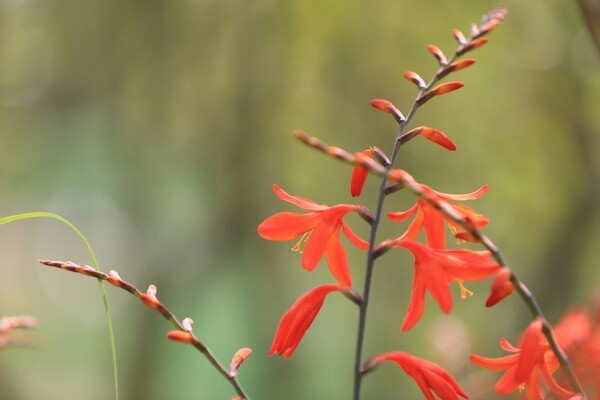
(532, 361)
(320, 228)
(296, 321)
(436, 268)
(431, 378)
(432, 220)
(359, 176)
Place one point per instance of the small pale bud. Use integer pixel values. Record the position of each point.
(238, 358)
(113, 278)
(149, 298)
(187, 324)
(151, 291)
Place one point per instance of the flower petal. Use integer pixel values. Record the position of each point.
(416, 306)
(467, 196)
(359, 176)
(304, 203)
(402, 215)
(318, 240)
(296, 321)
(338, 261)
(287, 225)
(433, 224)
(353, 237)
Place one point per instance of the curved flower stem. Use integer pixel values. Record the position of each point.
(401, 139)
(150, 300)
(410, 184)
(405, 180)
(523, 291)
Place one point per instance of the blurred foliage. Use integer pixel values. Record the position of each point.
(159, 127)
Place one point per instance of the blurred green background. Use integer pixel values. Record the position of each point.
(159, 127)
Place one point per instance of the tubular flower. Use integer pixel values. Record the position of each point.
(296, 321)
(429, 376)
(432, 220)
(530, 362)
(579, 337)
(435, 269)
(359, 176)
(320, 228)
(501, 287)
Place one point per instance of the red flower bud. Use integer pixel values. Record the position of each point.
(501, 287)
(180, 336)
(438, 54)
(238, 358)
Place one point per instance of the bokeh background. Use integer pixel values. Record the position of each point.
(159, 127)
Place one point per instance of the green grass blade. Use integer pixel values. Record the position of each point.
(111, 336)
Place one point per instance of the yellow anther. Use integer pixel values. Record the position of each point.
(521, 387)
(464, 292)
(298, 246)
(453, 230)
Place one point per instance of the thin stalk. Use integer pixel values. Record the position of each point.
(370, 262)
(152, 302)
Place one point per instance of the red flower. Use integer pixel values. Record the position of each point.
(322, 225)
(359, 176)
(501, 287)
(296, 321)
(435, 269)
(429, 376)
(432, 220)
(530, 362)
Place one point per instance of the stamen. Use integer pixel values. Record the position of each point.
(453, 229)
(298, 246)
(521, 387)
(463, 290)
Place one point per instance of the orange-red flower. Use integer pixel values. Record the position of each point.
(359, 176)
(430, 377)
(434, 270)
(296, 321)
(501, 287)
(322, 224)
(532, 361)
(432, 220)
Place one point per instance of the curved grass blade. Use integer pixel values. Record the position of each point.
(111, 336)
